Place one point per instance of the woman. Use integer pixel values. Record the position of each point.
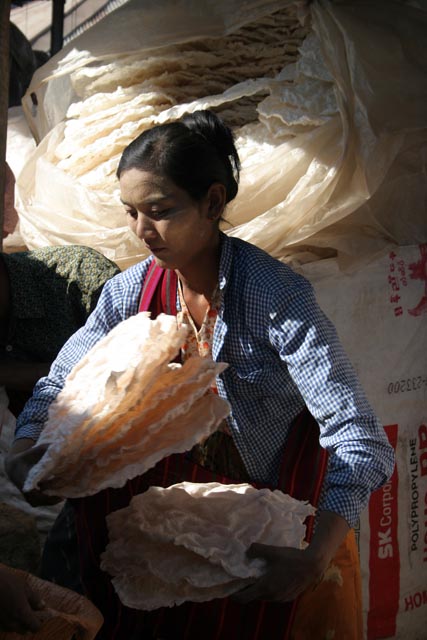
(289, 384)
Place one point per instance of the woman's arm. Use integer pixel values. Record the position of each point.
(107, 314)
(112, 306)
(361, 458)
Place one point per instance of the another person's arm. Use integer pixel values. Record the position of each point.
(19, 604)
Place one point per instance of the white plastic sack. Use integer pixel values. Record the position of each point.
(380, 311)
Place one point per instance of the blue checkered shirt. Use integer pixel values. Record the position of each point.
(283, 353)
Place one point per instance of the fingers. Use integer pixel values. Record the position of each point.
(38, 499)
(29, 621)
(17, 467)
(286, 576)
(248, 594)
(258, 550)
(33, 455)
(35, 601)
(265, 588)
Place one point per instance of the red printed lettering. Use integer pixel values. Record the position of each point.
(422, 444)
(385, 549)
(416, 600)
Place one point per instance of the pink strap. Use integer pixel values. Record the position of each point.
(158, 294)
(149, 286)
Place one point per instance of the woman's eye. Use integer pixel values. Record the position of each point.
(159, 214)
(131, 213)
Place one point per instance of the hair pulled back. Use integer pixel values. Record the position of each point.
(193, 152)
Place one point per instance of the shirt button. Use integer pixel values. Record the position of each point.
(9, 347)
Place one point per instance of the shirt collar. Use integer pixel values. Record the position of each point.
(225, 262)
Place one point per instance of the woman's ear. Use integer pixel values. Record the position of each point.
(216, 200)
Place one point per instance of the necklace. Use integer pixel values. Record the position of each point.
(201, 319)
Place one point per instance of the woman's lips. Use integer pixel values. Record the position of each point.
(155, 249)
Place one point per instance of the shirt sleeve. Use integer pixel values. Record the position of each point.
(109, 311)
(361, 458)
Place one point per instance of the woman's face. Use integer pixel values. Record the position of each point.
(175, 228)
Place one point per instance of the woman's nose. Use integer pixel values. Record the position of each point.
(144, 227)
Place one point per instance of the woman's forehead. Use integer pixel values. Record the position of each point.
(136, 179)
(138, 185)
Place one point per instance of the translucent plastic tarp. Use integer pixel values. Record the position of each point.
(329, 118)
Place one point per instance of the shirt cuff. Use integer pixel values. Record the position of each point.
(28, 431)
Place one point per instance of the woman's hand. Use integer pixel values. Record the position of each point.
(19, 604)
(289, 572)
(24, 455)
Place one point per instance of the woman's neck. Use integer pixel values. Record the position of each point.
(201, 277)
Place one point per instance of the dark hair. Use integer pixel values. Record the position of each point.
(193, 152)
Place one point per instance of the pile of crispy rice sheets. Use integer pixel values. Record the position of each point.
(69, 188)
(124, 407)
(322, 154)
(189, 541)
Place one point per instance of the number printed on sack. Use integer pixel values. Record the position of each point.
(408, 384)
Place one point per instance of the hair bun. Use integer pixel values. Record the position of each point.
(207, 124)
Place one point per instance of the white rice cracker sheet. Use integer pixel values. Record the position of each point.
(189, 541)
(124, 407)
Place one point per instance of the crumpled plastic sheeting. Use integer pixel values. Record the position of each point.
(68, 191)
(189, 541)
(356, 182)
(124, 407)
(332, 146)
